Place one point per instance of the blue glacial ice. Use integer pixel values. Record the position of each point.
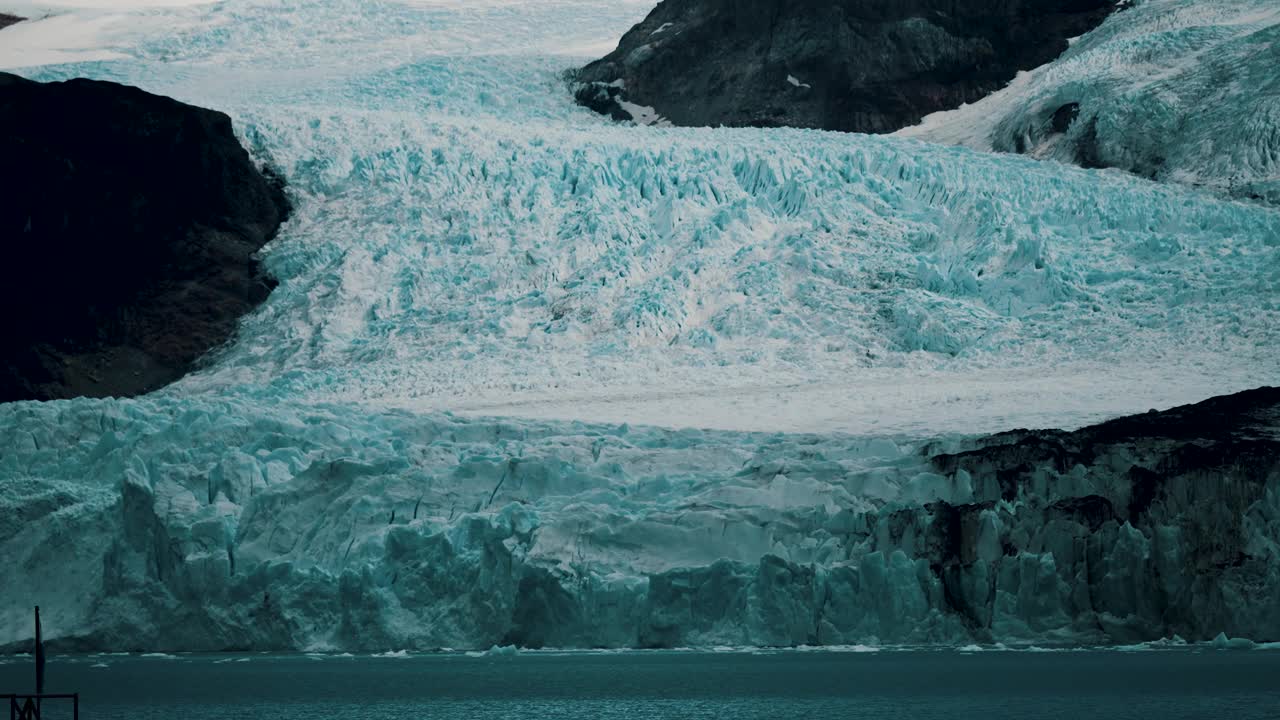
(201, 524)
(469, 245)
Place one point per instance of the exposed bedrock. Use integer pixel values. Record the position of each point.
(154, 524)
(6, 20)
(129, 224)
(855, 65)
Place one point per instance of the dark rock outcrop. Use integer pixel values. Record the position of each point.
(1157, 524)
(1222, 435)
(853, 65)
(129, 223)
(6, 20)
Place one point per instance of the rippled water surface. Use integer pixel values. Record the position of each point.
(888, 684)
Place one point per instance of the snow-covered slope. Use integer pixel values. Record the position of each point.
(468, 240)
(1177, 90)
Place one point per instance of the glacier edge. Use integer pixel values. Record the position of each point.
(157, 525)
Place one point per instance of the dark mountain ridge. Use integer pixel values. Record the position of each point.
(871, 66)
(129, 225)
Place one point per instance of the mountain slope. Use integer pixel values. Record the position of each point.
(853, 65)
(129, 225)
(1173, 90)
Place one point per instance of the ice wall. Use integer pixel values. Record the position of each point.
(208, 525)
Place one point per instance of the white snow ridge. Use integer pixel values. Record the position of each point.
(534, 378)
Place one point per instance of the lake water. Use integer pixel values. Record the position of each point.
(650, 685)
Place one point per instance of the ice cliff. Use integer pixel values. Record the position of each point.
(848, 314)
(159, 524)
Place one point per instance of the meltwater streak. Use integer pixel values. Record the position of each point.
(466, 239)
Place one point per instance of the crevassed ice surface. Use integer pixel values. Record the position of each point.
(467, 241)
(1178, 90)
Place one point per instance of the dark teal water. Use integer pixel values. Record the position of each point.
(651, 685)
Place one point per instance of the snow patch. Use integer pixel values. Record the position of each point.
(642, 114)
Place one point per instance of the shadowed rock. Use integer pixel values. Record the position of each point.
(6, 20)
(1192, 482)
(854, 65)
(129, 225)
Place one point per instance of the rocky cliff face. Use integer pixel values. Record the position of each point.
(854, 65)
(1147, 526)
(129, 223)
(216, 525)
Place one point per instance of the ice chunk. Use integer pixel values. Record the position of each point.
(1222, 642)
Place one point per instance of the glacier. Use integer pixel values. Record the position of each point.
(533, 378)
(1176, 90)
(163, 524)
